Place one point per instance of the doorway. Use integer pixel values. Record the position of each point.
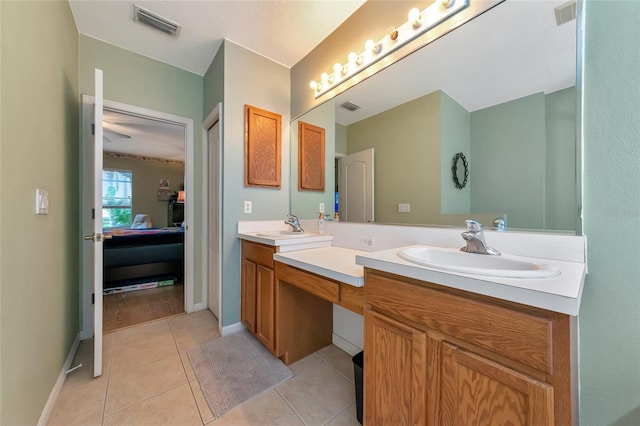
(122, 122)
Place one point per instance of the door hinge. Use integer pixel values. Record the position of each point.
(93, 129)
(93, 213)
(93, 298)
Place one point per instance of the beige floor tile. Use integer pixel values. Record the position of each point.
(159, 345)
(84, 356)
(79, 405)
(303, 364)
(188, 368)
(186, 321)
(129, 386)
(201, 402)
(346, 418)
(341, 362)
(194, 329)
(266, 409)
(171, 408)
(317, 394)
(328, 351)
(140, 332)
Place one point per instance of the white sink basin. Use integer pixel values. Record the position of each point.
(284, 234)
(454, 260)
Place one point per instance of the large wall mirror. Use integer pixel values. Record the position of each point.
(500, 89)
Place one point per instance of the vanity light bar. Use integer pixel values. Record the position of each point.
(418, 23)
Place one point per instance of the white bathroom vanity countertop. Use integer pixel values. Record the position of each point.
(559, 294)
(336, 263)
(285, 243)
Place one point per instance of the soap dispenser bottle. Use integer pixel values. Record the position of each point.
(320, 223)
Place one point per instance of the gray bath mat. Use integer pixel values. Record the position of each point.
(234, 369)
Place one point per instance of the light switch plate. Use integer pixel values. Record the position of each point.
(248, 206)
(321, 208)
(42, 201)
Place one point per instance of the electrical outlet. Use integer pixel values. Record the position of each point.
(404, 208)
(247, 206)
(367, 242)
(321, 208)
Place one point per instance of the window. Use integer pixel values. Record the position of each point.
(116, 198)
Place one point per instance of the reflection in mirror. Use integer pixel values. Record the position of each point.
(501, 89)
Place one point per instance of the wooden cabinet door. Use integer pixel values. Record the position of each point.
(248, 294)
(477, 391)
(394, 372)
(265, 319)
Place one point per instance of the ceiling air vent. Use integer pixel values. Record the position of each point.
(158, 22)
(350, 106)
(566, 12)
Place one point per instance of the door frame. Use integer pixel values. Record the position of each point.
(189, 253)
(215, 116)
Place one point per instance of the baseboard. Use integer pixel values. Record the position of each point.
(196, 307)
(55, 392)
(345, 345)
(230, 329)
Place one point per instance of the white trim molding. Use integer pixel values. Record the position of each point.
(57, 387)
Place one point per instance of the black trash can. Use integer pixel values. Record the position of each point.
(358, 363)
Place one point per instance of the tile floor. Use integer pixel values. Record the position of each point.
(148, 380)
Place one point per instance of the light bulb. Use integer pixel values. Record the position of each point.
(313, 85)
(337, 68)
(324, 77)
(373, 47)
(353, 58)
(414, 17)
(368, 45)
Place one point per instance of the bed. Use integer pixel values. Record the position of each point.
(133, 257)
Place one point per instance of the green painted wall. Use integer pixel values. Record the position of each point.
(146, 177)
(137, 80)
(214, 82)
(610, 310)
(39, 143)
(456, 137)
(255, 80)
(560, 161)
(512, 133)
(304, 204)
(407, 139)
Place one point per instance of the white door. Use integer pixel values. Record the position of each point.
(356, 187)
(92, 219)
(213, 137)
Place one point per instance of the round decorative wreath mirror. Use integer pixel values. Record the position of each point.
(460, 175)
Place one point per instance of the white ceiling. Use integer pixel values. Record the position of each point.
(282, 30)
(134, 135)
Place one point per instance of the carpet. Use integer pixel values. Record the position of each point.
(234, 369)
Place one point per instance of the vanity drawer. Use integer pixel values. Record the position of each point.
(259, 253)
(521, 336)
(322, 287)
(352, 298)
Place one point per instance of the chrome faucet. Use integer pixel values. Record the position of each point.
(292, 221)
(474, 236)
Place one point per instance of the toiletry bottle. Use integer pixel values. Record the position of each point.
(336, 217)
(320, 223)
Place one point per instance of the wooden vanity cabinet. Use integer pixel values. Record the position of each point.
(258, 295)
(439, 356)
